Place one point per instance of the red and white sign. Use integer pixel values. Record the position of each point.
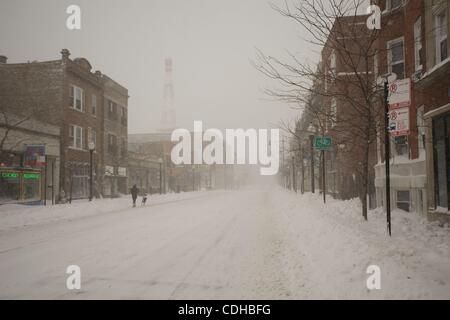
(399, 121)
(400, 94)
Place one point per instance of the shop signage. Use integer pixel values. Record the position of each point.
(35, 156)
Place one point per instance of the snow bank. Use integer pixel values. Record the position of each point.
(336, 246)
(14, 216)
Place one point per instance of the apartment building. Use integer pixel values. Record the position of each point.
(433, 102)
(68, 94)
(400, 50)
(115, 108)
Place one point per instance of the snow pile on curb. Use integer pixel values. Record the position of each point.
(14, 216)
(336, 246)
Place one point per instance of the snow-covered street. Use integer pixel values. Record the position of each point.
(246, 244)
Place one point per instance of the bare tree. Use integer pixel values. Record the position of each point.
(343, 83)
(27, 92)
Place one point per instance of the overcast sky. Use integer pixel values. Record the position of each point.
(210, 42)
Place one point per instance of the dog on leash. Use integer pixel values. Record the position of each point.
(144, 200)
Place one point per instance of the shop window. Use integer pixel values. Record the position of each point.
(9, 186)
(403, 200)
(440, 162)
(31, 186)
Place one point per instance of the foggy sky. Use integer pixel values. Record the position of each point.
(210, 42)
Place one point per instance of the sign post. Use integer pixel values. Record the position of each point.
(322, 144)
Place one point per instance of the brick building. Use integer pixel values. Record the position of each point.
(115, 108)
(433, 101)
(400, 48)
(66, 93)
(344, 112)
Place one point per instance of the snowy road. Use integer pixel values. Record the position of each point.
(218, 246)
(253, 244)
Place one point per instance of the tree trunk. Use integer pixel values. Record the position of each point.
(365, 182)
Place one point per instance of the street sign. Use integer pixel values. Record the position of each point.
(322, 143)
(399, 122)
(400, 94)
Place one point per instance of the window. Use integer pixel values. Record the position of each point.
(421, 129)
(418, 44)
(396, 57)
(94, 104)
(401, 145)
(441, 32)
(76, 98)
(92, 136)
(333, 64)
(403, 200)
(375, 65)
(394, 4)
(112, 144)
(112, 110)
(441, 157)
(123, 148)
(76, 137)
(124, 117)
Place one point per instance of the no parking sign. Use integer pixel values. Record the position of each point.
(399, 121)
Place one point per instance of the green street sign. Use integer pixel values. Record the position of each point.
(322, 143)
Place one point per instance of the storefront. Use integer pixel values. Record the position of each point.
(20, 186)
(438, 162)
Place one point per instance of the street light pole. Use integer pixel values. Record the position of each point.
(160, 176)
(311, 140)
(324, 189)
(91, 156)
(193, 178)
(302, 187)
(387, 155)
(294, 180)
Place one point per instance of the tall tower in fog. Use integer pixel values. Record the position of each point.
(168, 115)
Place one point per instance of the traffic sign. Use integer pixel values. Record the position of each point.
(400, 94)
(322, 143)
(399, 121)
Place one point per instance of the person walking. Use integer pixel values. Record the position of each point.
(134, 194)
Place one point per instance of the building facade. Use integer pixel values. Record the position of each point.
(67, 94)
(115, 109)
(433, 101)
(400, 48)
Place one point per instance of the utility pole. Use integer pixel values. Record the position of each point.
(302, 186)
(160, 177)
(283, 179)
(324, 189)
(193, 178)
(294, 180)
(311, 143)
(387, 155)
(45, 181)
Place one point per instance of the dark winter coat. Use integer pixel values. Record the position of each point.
(134, 192)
